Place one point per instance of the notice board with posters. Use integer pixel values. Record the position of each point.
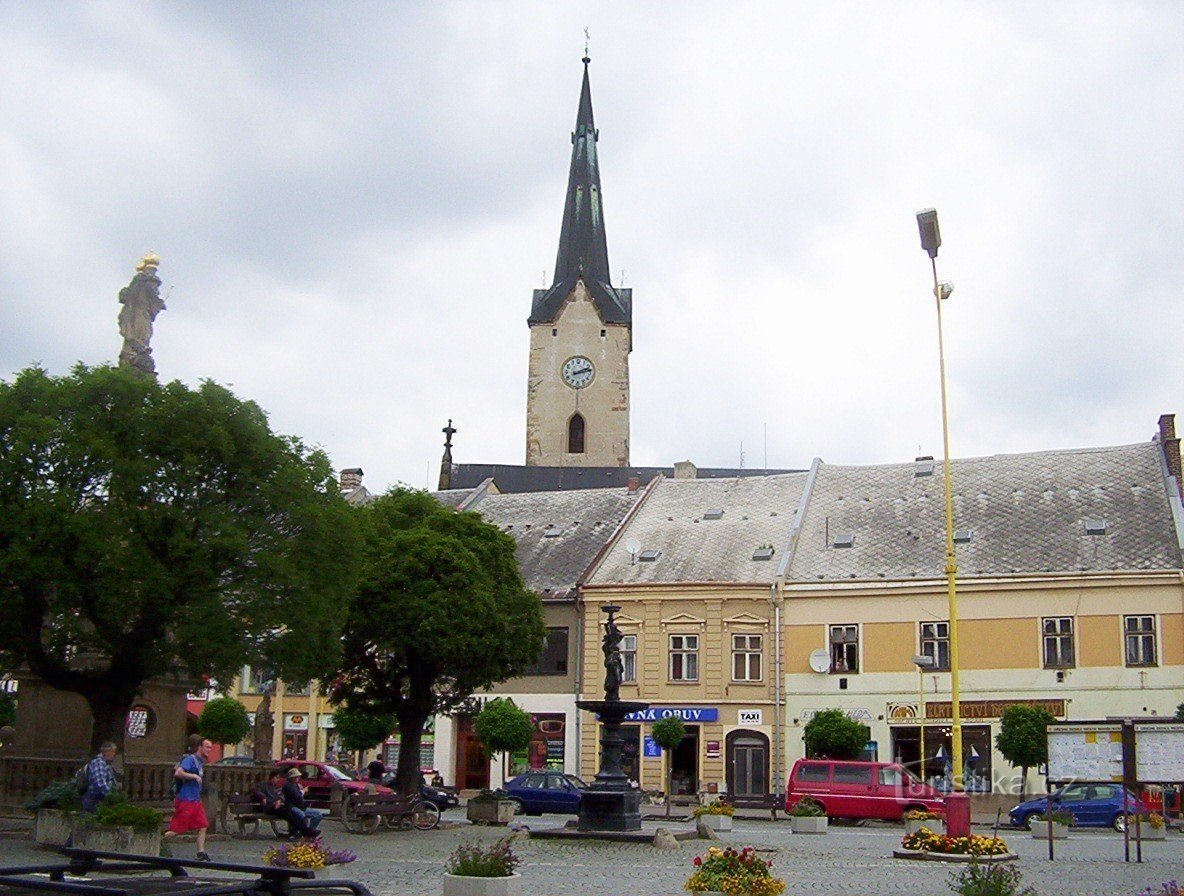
(1159, 752)
(1087, 751)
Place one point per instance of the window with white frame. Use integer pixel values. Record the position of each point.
(747, 651)
(1058, 642)
(844, 648)
(629, 658)
(935, 643)
(684, 657)
(1140, 640)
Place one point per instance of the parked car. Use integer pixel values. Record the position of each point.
(235, 760)
(317, 780)
(860, 789)
(443, 798)
(1091, 805)
(546, 791)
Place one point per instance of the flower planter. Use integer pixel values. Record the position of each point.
(52, 827)
(1147, 832)
(936, 825)
(490, 811)
(105, 838)
(807, 824)
(716, 822)
(460, 885)
(1040, 830)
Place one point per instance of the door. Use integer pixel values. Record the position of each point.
(684, 764)
(472, 765)
(854, 789)
(748, 764)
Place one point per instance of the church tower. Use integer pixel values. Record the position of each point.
(581, 330)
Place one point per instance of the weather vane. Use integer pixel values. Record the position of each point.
(586, 39)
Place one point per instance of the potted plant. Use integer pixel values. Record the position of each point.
(55, 807)
(716, 815)
(1151, 826)
(1058, 819)
(736, 872)
(118, 825)
(308, 854)
(807, 816)
(915, 819)
(488, 807)
(476, 870)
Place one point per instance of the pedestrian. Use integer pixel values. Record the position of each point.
(375, 771)
(294, 800)
(269, 795)
(101, 777)
(188, 812)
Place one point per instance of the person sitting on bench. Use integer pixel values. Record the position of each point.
(294, 800)
(270, 797)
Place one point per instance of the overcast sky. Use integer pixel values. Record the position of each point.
(352, 203)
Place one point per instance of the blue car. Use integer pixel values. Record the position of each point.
(1092, 805)
(546, 791)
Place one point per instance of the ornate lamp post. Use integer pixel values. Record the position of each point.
(922, 663)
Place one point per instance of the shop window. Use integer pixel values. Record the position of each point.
(553, 660)
(257, 679)
(844, 648)
(935, 644)
(629, 658)
(1058, 642)
(1140, 640)
(746, 657)
(684, 657)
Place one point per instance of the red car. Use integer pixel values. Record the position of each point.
(860, 789)
(317, 780)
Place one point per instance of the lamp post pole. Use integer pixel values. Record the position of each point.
(922, 663)
(930, 242)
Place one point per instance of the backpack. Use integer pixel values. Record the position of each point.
(177, 782)
(82, 779)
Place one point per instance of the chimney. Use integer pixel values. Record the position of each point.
(633, 484)
(684, 469)
(351, 479)
(1170, 445)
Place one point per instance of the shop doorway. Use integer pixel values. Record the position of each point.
(295, 745)
(472, 764)
(748, 764)
(684, 764)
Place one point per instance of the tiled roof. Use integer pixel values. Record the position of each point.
(558, 533)
(1026, 514)
(692, 547)
(516, 478)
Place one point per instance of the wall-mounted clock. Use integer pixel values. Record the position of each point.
(578, 372)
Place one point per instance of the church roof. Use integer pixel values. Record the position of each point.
(514, 478)
(583, 245)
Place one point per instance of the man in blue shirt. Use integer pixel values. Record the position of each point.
(188, 812)
(100, 777)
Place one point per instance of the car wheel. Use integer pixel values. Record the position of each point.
(1119, 822)
(1026, 821)
(519, 809)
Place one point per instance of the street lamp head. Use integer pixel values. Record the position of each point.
(930, 232)
(945, 289)
(925, 662)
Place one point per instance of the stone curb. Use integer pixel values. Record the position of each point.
(920, 855)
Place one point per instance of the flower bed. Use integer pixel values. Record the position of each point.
(310, 854)
(736, 872)
(926, 840)
(715, 807)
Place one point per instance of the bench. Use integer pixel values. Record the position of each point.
(246, 814)
(362, 813)
(772, 801)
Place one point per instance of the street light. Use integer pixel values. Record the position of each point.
(922, 663)
(931, 242)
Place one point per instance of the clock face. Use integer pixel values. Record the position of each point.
(578, 372)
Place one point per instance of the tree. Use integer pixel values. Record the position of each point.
(503, 728)
(360, 730)
(668, 733)
(440, 612)
(832, 734)
(150, 529)
(1180, 712)
(224, 721)
(1023, 738)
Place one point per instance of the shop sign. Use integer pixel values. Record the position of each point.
(651, 749)
(295, 721)
(989, 709)
(750, 717)
(713, 749)
(687, 714)
(141, 721)
(858, 713)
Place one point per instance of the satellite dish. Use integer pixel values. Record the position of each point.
(820, 660)
(633, 546)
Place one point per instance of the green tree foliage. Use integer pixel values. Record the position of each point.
(224, 721)
(668, 733)
(1023, 738)
(1180, 712)
(441, 612)
(360, 730)
(7, 709)
(503, 728)
(150, 529)
(833, 734)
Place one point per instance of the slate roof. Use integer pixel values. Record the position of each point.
(757, 511)
(581, 522)
(1027, 515)
(517, 478)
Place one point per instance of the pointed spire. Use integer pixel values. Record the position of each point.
(583, 244)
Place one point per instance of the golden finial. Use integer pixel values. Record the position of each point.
(151, 260)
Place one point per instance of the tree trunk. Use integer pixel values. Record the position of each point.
(669, 783)
(1023, 783)
(408, 776)
(110, 716)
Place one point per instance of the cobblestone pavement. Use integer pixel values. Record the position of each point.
(855, 860)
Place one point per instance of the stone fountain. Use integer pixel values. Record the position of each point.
(612, 803)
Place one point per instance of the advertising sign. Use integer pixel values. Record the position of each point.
(652, 750)
(686, 713)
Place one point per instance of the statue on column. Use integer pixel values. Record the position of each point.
(614, 666)
(141, 303)
(264, 728)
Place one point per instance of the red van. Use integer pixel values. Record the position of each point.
(860, 789)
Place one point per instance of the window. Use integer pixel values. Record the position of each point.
(258, 679)
(935, 643)
(629, 658)
(1140, 640)
(684, 657)
(575, 434)
(1058, 642)
(853, 774)
(746, 657)
(844, 648)
(813, 772)
(554, 657)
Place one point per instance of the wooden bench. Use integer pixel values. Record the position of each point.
(772, 801)
(242, 809)
(362, 813)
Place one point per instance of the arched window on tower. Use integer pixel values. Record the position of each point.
(575, 434)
